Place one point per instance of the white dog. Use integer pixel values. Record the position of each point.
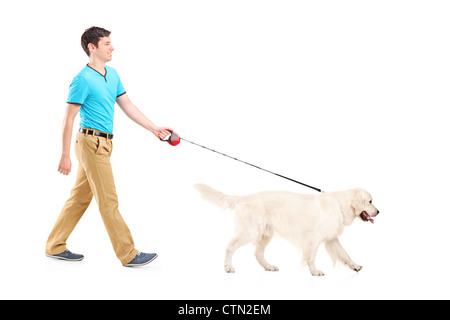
(305, 220)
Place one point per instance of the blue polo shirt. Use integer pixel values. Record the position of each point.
(97, 95)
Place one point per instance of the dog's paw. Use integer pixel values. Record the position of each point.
(353, 266)
(356, 267)
(271, 268)
(317, 273)
(229, 269)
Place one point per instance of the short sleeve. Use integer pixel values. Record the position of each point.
(78, 91)
(120, 89)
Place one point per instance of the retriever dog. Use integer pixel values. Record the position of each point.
(303, 219)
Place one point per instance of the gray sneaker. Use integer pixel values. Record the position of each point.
(66, 255)
(142, 259)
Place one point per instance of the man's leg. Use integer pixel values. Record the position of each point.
(94, 155)
(73, 210)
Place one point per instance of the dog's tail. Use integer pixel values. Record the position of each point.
(216, 197)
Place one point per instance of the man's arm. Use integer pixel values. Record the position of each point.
(65, 165)
(137, 116)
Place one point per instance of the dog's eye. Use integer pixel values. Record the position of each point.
(370, 201)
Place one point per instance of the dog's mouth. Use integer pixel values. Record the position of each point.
(365, 217)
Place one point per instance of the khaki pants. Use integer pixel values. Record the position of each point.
(94, 178)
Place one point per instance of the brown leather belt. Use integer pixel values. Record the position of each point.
(97, 133)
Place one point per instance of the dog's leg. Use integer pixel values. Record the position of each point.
(235, 243)
(337, 252)
(260, 246)
(309, 256)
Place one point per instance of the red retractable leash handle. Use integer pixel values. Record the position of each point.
(173, 139)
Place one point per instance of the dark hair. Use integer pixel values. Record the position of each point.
(93, 35)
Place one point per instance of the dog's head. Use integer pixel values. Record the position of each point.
(363, 207)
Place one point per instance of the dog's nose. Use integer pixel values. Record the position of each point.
(378, 212)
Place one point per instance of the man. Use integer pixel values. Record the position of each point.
(93, 93)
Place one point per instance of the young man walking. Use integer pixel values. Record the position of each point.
(93, 93)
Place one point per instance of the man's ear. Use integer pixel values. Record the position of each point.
(91, 47)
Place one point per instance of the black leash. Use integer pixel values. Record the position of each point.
(175, 138)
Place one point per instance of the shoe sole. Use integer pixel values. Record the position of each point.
(141, 264)
(62, 258)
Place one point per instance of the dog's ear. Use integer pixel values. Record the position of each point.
(349, 203)
(358, 202)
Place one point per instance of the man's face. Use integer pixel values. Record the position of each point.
(104, 49)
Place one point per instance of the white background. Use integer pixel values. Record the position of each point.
(337, 94)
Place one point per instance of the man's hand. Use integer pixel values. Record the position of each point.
(65, 165)
(161, 132)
